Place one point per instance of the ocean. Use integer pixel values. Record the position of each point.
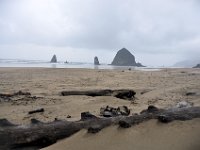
(47, 64)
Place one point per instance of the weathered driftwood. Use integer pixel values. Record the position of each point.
(38, 134)
(5, 95)
(122, 94)
(9, 96)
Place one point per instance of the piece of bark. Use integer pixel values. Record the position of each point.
(36, 111)
(122, 94)
(38, 135)
(190, 93)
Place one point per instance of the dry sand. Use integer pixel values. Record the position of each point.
(162, 88)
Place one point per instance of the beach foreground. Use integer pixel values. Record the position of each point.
(164, 89)
(146, 136)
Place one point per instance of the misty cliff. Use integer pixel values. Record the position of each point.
(187, 63)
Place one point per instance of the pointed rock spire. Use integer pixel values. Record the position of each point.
(54, 59)
(96, 61)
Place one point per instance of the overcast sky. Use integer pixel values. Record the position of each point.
(157, 32)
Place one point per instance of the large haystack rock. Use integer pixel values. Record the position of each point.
(96, 61)
(197, 66)
(125, 58)
(54, 59)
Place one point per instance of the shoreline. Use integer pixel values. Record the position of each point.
(121, 68)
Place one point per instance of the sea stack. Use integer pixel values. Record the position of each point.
(125, 58)
(197, 66)
(54, 59)
(96, 61)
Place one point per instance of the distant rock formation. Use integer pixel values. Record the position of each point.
(66, 61)
(197, 66)
(125, 58)
(96, 61)
(54, 59)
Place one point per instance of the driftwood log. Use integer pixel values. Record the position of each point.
(38, 134)
(4, 95)
(122, 94)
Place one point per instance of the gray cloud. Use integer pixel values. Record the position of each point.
(155, 27)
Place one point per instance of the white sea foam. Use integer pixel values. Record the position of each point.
(47, 64)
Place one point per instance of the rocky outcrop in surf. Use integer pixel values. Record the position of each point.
(96, 61)
(54, 59)
(125, 58)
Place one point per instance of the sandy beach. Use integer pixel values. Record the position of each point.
(163, 88)
(147, 136)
